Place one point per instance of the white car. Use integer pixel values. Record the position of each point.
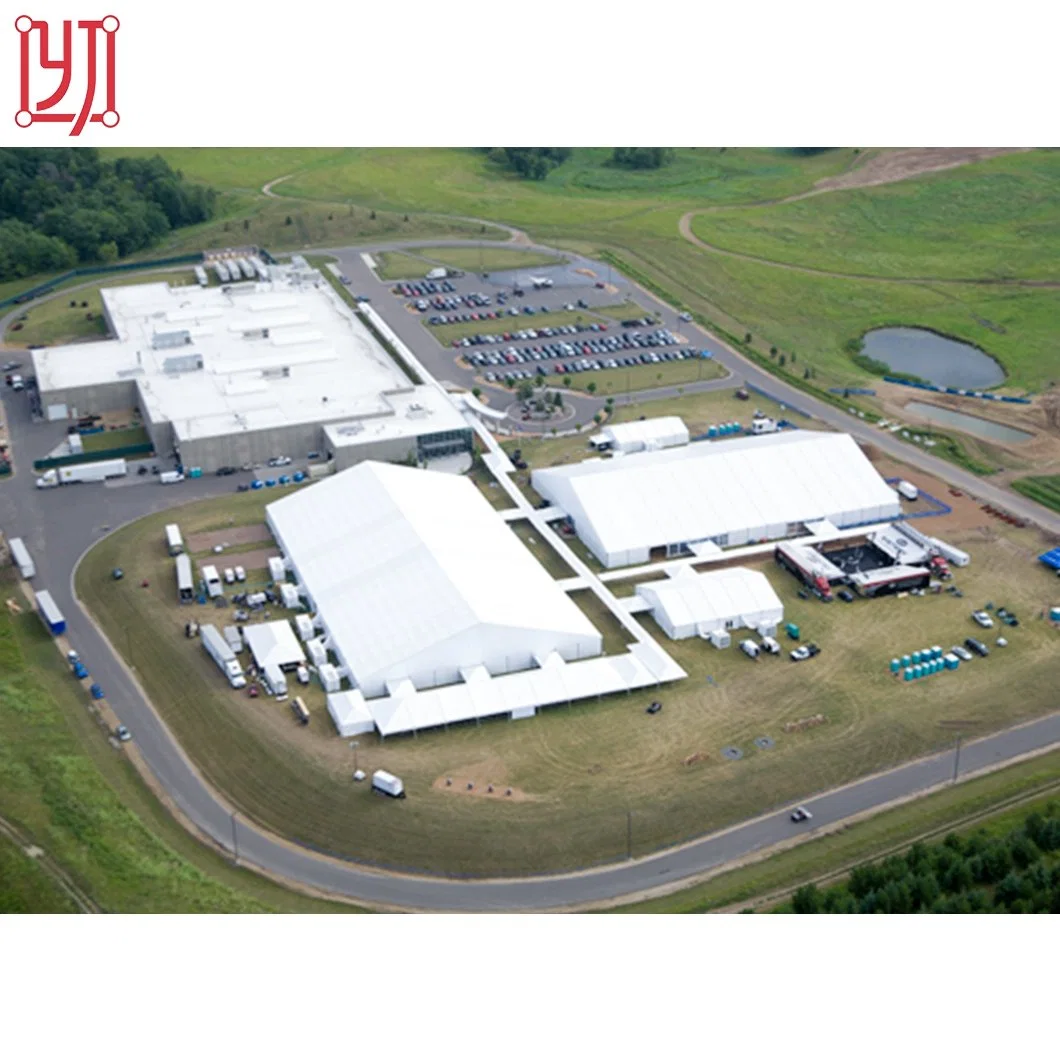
(983, 619)
(241, 574)
(800, 653)
(800, 813)
(686, 317)
(230, 576)
(961, 652)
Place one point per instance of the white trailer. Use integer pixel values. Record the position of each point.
(21, 557)
(951, 553)
(438, 274)
(275, 679)
(260, 268)
(388, 784)
(96, 471)
(289, 596)
(212, 579)
(185, 584)
(277, 571)
(222, 271)
(908, 490)
(218, 650)
(174, 542)
(247, 268)
(201, 277)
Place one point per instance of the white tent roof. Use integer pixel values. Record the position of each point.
(349, 712)
(398, 560)
(707, 489)
(715, 596)
(659, 430)
(273, 644)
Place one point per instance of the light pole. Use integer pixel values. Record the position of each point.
(353, 747)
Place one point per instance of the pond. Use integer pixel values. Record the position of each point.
(975, 425)
(935, 358)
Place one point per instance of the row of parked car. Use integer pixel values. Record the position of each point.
(422, 288)
(474, 300)
(527, 334)
(586, 364)
(584, 352)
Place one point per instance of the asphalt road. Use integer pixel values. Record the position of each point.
(59, 525)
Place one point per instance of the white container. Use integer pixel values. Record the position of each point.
(388, 784)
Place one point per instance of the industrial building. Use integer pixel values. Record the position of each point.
(413, 576)
(255, 369)
(696, 499)
(710, 605)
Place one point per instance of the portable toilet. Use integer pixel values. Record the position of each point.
(195, 472)
(916, 658)
(907, 673)
(792, 630)
(907, 661)
(712, 431)
(896, 665)
(951, 661)
(1054, 614)
(937, 663)
(937, 651)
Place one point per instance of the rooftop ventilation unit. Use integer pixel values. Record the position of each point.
(190, 362)
(349, 430)
(167, 340)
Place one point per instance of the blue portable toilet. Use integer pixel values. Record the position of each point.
(712, 431)
(907, 661)
(938, 651)
(916, 658)
(907, 673)
(896, 665)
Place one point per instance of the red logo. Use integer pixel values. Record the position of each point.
(96, 53)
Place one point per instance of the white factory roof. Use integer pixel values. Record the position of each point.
(708, 489)
(400, 562)
(659, 432)
(714, 597)
(273, 644)
(244, 356)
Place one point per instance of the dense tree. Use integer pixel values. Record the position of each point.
(806, 899)
(533, 163)
(642, 157)
(61, 206)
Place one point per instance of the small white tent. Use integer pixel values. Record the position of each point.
(691, 604)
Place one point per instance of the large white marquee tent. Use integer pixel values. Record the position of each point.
(415, 578)
(732, 492)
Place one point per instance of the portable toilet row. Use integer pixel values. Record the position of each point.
(723, 430)
(1054, 614)
(929, 667)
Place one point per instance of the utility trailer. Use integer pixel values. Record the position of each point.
(388, 784)
(174, 542)
(97, 471)
(22, 559)
(185, 584)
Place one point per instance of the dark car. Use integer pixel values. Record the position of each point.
(117, 574)
(813, 650)
(242, 487)
(977, 646)
(846, 596)
(654, 708)
(227, 470)
(800, 813)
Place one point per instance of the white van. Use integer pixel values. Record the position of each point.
(770, 645)
(749, 648)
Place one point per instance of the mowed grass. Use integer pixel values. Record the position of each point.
(56, 321)
(625, 381)
(114, 439)
(1045, 489)
(542, 551)
(489, 487)
(884, 832)
(489, 259)
(397, 265)
(581, 766)
(995, 220)
(63, 785)
(25, 887)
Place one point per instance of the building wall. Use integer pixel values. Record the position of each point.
(250, 447)
(101, 397)
(389, 450)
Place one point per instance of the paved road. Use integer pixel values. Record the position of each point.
(58, 525)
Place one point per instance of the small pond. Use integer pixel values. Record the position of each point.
(935, 358)
(974, 425)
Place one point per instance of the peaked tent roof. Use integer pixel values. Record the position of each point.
(716, 595)
(398, 560)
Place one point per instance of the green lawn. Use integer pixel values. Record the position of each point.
(580, 766)
(397, 265)
(542, 551)
(490, 487)
(78, 798)
(115, 439)
(488, 259)
(56, 321)
(884, 832)
(1045, 489)
(25, 887)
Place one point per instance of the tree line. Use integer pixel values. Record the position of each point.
(535, 163)
(61, 207)
(1017, 872)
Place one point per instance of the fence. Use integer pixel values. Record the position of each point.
(936, 389)
(139, 449)
(852, 391)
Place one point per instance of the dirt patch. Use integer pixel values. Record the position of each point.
(489, 773)
(889, 167)
(966, 514)
(586, 272)
(234, 535)
(249, 561)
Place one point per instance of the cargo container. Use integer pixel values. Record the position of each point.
(50, 614)
(233, 638)
(388, 784)
(21, 557)
(218, 650)
(174, 542)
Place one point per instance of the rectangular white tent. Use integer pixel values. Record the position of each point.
(659, 432)
(733, 492)
(692, 604)
(413, 575)
(274, 644)
(349, 713)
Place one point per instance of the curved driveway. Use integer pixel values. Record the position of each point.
(59, 525)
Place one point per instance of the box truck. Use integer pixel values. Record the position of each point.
(21, 557)
(388, 784)
(50, 615)
(185, 584)
(223, 655)
(174, 542)
(96, 471)
(212, 580)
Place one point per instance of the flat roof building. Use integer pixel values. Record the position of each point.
(246, 371)
(733, 492)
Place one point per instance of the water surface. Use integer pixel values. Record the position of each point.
(945, 362)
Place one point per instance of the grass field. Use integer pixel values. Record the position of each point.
(623, 381)
(397, 265)
(62, 784)
(868, 839)
(1045, 489)
(488, 259)
(581, 766)
(56, 321)
(115, 439)
(542, 551)
(25, 887)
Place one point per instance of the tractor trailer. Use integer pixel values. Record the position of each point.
(93, 472)
(23, 560)
(218, 650)
(811, 568)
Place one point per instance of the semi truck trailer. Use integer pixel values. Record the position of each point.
(96, 471)
(20, 555)
(218, 650)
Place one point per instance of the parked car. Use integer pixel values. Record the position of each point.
(813, 650)
(654, 708)
(800, 653)
(983, 619)
(241, 574)
(123, 734)
(961, 652)
(977, 646)
(117, 574)
(800, 813)
(846, 596)
(686, 317)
